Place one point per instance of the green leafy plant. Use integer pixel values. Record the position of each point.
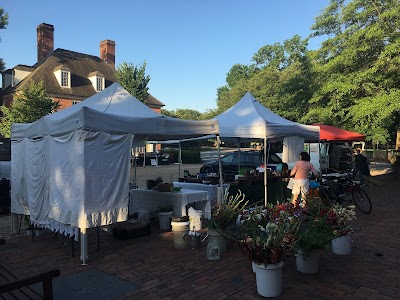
(225, 215)
(269, 234)
(316, 231)
(245, 171)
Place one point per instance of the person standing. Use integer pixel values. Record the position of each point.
(301, 182)
(360, 166)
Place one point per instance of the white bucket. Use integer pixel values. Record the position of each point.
(179, 229)
(308, 265)
(269, 279)
(165, 219)
(195, 219)
(342, 245)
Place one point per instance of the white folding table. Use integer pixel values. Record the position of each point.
(153, 200)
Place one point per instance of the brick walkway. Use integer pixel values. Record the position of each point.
(162, 272)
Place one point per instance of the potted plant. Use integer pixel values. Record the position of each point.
(341, 218)
(246, 171)
(315, 235)
(164, 215)
(268, 235)
(222, 225)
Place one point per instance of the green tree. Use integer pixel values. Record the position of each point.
(185, 114)
(28, 106)
(134, 79)
(281, 79)
(3, 25)
(357, 68)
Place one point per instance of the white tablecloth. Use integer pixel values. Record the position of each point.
(212, 189)
(152, 200)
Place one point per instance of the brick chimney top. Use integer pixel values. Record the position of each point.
(107, 52)
(45, 40)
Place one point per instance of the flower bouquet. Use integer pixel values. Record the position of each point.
(341, 218)
(269, 234)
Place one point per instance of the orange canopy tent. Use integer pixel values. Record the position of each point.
(331, 133)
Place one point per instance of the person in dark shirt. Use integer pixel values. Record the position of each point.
(360, 166)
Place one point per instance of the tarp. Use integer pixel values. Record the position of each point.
(115, 111)
(249, 119)
(331, 133)
(70, 169)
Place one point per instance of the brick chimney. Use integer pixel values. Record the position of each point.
(107, 52)
(45, 40)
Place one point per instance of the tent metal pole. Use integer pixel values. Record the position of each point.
(84, 252)
(265, 172)
(134, 163)
(179, 159)
(238, 148)
(220, 199)
(144, 156)
(156, 154)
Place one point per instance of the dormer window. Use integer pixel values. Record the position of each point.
(64, 79)
(97, 80)
(63, 75)
(100, 84)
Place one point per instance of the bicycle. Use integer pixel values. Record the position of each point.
(344, 190)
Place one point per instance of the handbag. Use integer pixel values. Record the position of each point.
(290, 183)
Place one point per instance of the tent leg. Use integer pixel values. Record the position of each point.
(265, 172)
(220, 195)
(179, 159)
(84, 255)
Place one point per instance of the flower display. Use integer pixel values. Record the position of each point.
(341, 218)
(316, 231)
(268, 233)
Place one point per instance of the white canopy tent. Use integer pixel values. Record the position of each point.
(70, 169)
(248, 119)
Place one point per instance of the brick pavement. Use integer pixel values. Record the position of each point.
(160, 271)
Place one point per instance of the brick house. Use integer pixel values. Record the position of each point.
(69, 77)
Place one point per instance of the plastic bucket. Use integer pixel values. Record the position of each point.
(178, 230)
(307, 265)
(195, 219)
(342, 245)
(165, 219)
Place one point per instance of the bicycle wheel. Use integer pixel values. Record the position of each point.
(362, 201)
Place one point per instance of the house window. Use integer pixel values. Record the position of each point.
(75, 102)
(64, 79)
(100, 84)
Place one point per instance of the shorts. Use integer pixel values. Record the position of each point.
(300, 186)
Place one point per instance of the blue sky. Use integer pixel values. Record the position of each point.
(189, 45)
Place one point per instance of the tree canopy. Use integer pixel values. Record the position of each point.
(3, 25)
(134, 79)
(28, 106)
(352, 81)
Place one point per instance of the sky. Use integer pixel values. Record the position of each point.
(189, 46)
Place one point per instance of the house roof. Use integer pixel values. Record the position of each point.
(80, 65)
(153, 102)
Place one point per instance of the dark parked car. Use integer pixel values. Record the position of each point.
(231, 164)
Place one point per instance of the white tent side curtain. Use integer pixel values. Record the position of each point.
(83, 176)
